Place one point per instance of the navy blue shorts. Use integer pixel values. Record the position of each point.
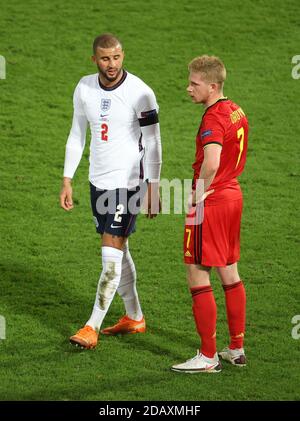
(115, 211)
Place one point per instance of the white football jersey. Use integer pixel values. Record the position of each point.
(122, 120)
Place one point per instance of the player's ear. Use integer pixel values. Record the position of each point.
(93, 58)
(214, 87)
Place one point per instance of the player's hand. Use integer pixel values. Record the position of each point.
(193, 199)
(152, 201)
(66, 201)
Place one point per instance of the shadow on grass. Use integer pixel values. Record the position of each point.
(47, 298)
(52, 301)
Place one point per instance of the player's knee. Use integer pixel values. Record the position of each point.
(198, 275)
(228, 275)
(114, 241)
(230, 280)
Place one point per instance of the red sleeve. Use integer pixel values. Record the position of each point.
(211, 131)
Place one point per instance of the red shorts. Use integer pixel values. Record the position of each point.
(216, 241)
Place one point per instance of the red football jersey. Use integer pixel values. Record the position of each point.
(223, 123)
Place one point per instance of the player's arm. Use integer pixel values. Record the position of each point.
(153, 160)
(208, 171)
(211, 163)
(211, 134)
(74, 149)
(148, 119)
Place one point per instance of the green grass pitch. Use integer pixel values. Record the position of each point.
(50, 260)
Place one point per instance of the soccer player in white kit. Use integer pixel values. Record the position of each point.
(125, 150)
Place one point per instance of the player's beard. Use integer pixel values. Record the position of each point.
(105, 75)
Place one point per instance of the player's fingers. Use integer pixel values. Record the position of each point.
(66, 201)
(209, 192)
(69, 201)
(206, 194)
(149, 214)
(63, 201)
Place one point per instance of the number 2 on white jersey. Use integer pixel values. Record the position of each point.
(104, 130)
(240, 135)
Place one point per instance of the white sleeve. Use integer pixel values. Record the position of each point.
(147, 112)
(76, 140)
(153, 153)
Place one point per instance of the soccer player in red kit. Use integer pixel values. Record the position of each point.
(221, 147)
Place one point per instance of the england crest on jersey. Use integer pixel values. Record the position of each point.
(105, 104)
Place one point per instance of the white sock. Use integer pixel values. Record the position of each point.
(127, 287)
(107, 285)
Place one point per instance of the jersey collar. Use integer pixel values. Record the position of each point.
(105, 88)
(224, 98)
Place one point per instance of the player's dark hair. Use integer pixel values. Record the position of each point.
(106, 40)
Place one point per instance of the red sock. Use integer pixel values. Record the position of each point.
(205, 315)
(235, 297)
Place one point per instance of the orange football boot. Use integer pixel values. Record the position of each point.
(86, 337)
(126, 325)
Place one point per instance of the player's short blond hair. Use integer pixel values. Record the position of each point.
(212, 69)
(106, 40)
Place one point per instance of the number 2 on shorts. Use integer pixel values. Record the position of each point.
(120, 210)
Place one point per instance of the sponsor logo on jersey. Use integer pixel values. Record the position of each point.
(104, 117)
(206, 133)
(105, 104)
